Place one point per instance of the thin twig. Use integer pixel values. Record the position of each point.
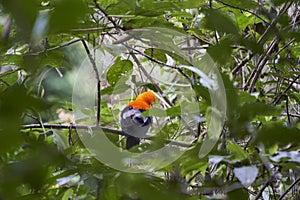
(92, 60)
(264, 58)
(90, 29)
(241, 64)
(263, 188)
(277, 99)
(150, 78)
(149, 57)
(164, 64)
(287, 110)
(261, 63)
(288, 189)
(243, 9)
(107, 16)
(54, 48)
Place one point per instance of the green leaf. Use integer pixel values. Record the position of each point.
(246, 4)
(221, 52)
(150, 22)
(13, 102)
(216, 20)
(296, 97)
(250, 110)
(190, 161)
(251, 44)
(67, 14)
(238, 194)
(24, 13)
(53, 59)
(174, 111)
(68, 194)
(88, 112)
(122, 7)
(202, 92)
(7, 79)
(11, 59)
(191, 4)
(245, 97)
(120, 71)
(237, 152)
(278, 134)
(155, 112)
(158, 54)
(104, 3)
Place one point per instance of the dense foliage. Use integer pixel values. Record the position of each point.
(255, 45)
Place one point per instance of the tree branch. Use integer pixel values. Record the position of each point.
(104, 129)
(107, 16)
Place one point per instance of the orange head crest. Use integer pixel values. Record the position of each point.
(143, 100)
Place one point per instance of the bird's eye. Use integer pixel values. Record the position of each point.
(130, 108)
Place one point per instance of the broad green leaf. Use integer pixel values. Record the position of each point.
(221, 52)
(150, 22)
(122, 7)
(160, 55)
(52, 58)
(11, 59)
(174, 111)
(24, 13)
(157, 54)
(296, 97)
(156, 8)
(7, 79)
(157, 112)
(104, 3)
(68, 194)
(202, 92)
(120, 71)
(13, 102)
(250, 110)
(88, 112)
(251, 44)
(245, 97)
(238, 194)
(246, 4)
(119, 88)
(190, 161)
(188, 4)
(237, 152)
(67, 14)
(277, 134)
(216, 20)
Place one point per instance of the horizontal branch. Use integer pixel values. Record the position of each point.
(105, 129)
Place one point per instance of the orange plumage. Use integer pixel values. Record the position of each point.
(143, 101)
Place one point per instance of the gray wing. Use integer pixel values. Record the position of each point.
(134, 124)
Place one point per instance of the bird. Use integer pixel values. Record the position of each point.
(134, 125)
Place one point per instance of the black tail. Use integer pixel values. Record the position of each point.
(131, 141)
